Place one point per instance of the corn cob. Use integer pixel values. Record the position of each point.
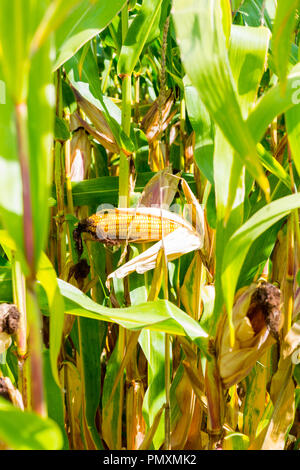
(115, 226)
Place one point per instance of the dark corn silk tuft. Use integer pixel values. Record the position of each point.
(9, 318)
(264, 309)
(80, 271)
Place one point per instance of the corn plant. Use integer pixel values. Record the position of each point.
(149, 224)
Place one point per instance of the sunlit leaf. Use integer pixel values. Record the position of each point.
(85, 22)
(243, 238)
(203, 47)
(24, 430)
(284, 25)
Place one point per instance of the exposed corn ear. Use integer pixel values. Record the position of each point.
(113, 226)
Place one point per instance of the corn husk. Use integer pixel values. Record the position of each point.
(156, 120)
(5, 342)
(189, 149)
(80, 153)
(101, 131)
(8, 391)
(9, 324)
(160, 190)
(135, 423)
(282, 394)
(190, 237)
(181, 241)
(253, 335)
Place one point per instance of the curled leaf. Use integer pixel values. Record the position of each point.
(181, 241)
(103, 131)
(157, 118)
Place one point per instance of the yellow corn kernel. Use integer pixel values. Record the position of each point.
(134, 225)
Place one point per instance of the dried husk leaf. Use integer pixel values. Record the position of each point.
(74, 405)
(103, 139)
(215, 400)
(291, 342)
(196, 380)
(99, 121)
(282, 394)
(186, 399)
(181, 241)
(145, 445)
(197, 439)
(189, 149)
(135, 423)
(80, 158)
(252, 337)
(232, 408)
(283, 397)
(256, 397)
(153, 122)
(156, 155)
(160, 190)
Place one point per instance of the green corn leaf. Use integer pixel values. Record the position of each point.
(247, 54)
(236, 441)
(242, 239)
(46, 275)
(293, 129)
(54, 398)
(26, 123)
(153, 346)
(204, 53)
(284, 25)
(273, 103)
(23, 430)
(272, 165)
(91, 334)
(6, 294)
(137, 35)
(159, 315)
(203, 127)
(257, 12)
(87, 20)
(86, 81)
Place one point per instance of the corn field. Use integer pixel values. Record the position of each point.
(149, 225)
